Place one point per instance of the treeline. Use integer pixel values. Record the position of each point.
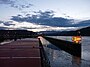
(15, 34)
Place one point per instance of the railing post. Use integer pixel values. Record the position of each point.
(76, 61)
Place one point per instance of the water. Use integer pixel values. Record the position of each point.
(59, 58)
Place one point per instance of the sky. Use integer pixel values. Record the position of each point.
(76, 9)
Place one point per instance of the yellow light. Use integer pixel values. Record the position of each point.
(76, 39)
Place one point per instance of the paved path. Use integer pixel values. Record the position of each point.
(20, 53)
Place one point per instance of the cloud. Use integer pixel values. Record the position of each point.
(8, 23)
(45, 14)
(43, 18)
(50, 21)
(41, 21)
(34, 17)
(7, 2)
(13, 25)
(23, 25)
(83, 23)
(16, 4)
(66, 16)
(37, 15)
(21, 6)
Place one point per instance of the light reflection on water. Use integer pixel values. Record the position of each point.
(59, 58)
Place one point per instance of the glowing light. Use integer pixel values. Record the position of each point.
(76, 39)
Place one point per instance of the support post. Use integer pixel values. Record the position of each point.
(76, 61)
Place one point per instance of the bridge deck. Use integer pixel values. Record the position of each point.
(20, 53)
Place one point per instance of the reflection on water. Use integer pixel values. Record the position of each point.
(59, 58)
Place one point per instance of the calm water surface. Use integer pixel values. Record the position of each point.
(59, 58)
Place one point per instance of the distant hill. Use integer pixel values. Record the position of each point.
(83, 32)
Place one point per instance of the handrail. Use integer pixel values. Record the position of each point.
(44, 59)
(70, 47)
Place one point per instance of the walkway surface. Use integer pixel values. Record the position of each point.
(20, 53)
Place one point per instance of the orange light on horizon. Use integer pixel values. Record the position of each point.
(76, 39)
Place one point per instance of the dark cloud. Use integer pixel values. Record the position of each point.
(21, 6)
(18, 18)
(8, 23)
(33, 18)
(3, 28)
(46, 18)
(1, 22)
(43, 18)
(66, 15)
(15, 4)
(83, 23)
(7, 2)
(45, 14)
